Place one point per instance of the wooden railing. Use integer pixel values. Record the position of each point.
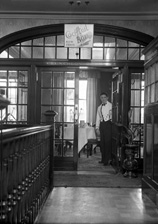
(26, 176)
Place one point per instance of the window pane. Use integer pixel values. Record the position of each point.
(109, 53)
(133, 54)
(61, 53)
(121, 43)
(85, 53)
(132, 44)
(135, 118)
(135, 98)
(57, 97)
(3, 78)
(4, 54)
(46, 96)
(12, 113)
(73, 53)
(152, 93)
(22, 113)
(60, 40)
(38, 42)
(121, 54)
(97, 53)
(50, 52)
(109, 42)
(98, 41)
(25, 52)
(37, 52)
(69, 96)
(22, 95)
(14, 52)
(13, 78)
(46, 79)
(12, 95)
(68, 114)
(23, 79)
(26, 42)
(50, 41)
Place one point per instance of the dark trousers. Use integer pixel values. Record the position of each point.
(105, 141)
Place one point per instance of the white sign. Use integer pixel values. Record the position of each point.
(79, 35)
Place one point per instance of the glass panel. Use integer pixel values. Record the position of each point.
(14, 52)
(133, 54)
(85, 53)
(50, 52)
(148, 94)
(152, 74)
(156, 70)
(109, 53)
(121, 54)
(73, 53)
(58, 78)
(135, 98)
(156, 92)
(4, 54)
(69, 81)
(37, 52)
(69, 131)
(59, 110)
(155, 153)
(23, 79)
(26, 42)
(135, 81)
(25, 52)
(121, 43)
(22, 95)
(22, 113)
(12, 113)
(142, 98)
(69, 96)
(109, 42)
(3, 78)
(142, 116)
(46, 79)
(57, 97)
(97, 53)
(68, 113)
(46, 96)
(148, 149)
(98, 41)
(132, 44)
(60, 40)
(135, 118)
(50, 41)
(152, 93)
(13, 78)
(3, 115)
(43, 110)
(38, 42)
(61, 53)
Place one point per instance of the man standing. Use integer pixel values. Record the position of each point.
(103, 128)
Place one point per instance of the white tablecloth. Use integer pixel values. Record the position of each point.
(83, 135)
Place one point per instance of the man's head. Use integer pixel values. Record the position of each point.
(104, 97)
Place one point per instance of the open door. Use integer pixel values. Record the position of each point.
(58, 91)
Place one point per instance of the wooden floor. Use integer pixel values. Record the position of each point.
(98, 205)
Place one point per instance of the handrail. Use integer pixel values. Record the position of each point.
(26, 172)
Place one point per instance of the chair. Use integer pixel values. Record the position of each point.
(92, 142)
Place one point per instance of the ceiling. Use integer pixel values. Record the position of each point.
(119, 7)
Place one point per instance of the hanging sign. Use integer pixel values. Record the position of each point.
(79, 35)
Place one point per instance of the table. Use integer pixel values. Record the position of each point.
(83, 135)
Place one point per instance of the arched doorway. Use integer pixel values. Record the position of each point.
(40, 74)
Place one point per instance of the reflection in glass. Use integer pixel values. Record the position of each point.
(68, 114)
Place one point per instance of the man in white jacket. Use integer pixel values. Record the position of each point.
(103, 128)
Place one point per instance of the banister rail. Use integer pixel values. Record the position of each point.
(26, 174)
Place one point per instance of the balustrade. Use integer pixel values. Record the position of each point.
(26, 172)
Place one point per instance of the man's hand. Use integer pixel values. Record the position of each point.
(97, 132)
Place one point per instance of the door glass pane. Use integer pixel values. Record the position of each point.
(46, 96)
(58, 78)
(13, 78)
(46, 79)
(155, 156)
(69, 81)
(57, 96)
(68, 113)
(148, 149)
(69, 96)
(23, 79)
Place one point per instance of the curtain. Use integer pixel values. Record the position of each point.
(92, 91)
